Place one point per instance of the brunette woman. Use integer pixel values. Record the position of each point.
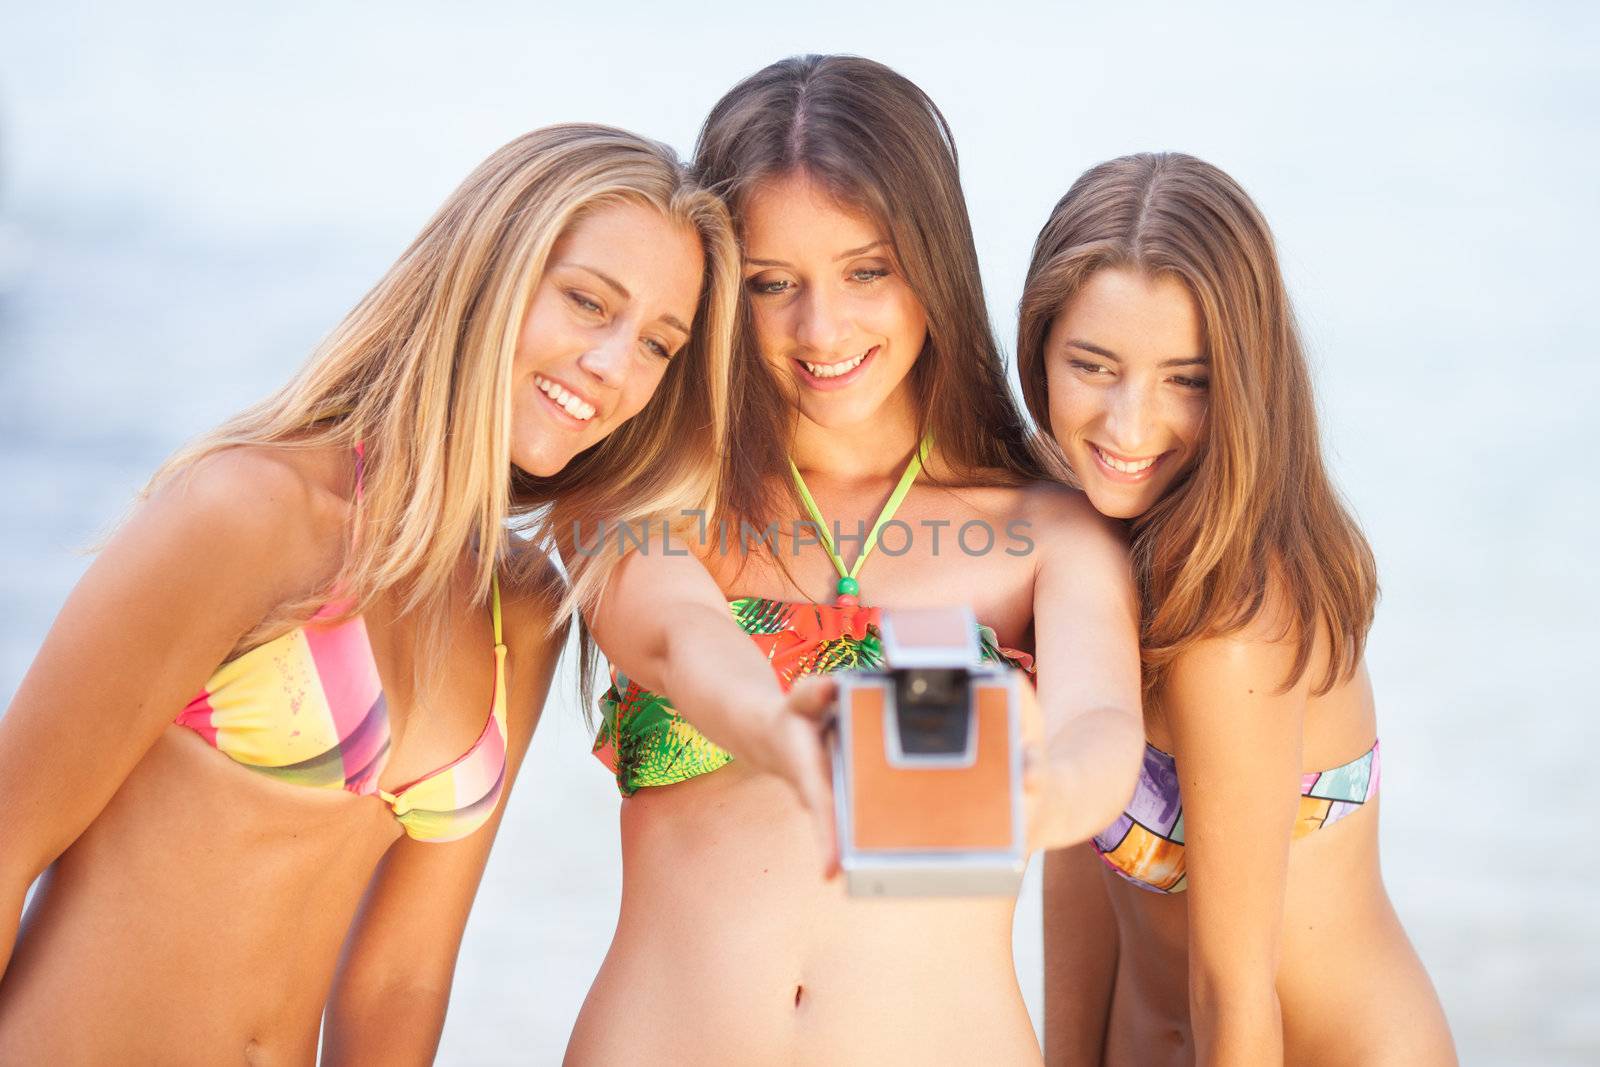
(1228, 919)
(869, 393)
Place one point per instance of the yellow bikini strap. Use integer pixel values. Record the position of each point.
(494, 605)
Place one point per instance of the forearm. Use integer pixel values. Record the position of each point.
(719, 681)
(395, 1026)
(1235, 1024)
(11, 898)
(1080, 957)
(1093, 761)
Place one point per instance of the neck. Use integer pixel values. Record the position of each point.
(872, 450)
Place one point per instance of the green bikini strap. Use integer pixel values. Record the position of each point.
(847, 576)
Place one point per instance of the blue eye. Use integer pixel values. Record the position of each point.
(583, 302)
(769, 288)
(868, 275)
(658, 348)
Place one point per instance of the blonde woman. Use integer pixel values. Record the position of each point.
(280, 714)
(1238, 916)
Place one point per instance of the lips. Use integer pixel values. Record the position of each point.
(565, 400)
(1125, 468)
(837, 374)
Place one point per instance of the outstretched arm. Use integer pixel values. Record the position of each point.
(1086, 625)
(665, 623)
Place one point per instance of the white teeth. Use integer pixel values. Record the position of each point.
(1126, 468)
(833, 370)
(578, 408)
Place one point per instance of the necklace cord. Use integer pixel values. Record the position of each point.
(847, 576)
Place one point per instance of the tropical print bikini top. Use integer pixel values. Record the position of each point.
(643, 740)
(308, 708)
(1145, 844)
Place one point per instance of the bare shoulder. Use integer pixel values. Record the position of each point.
(1253, 659)
(1063, 522)
(1052, 502)
(275, 509)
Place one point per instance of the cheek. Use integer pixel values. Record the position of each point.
(772, 336)
(910, 322)
(636, 394)
(539, 333)
(1071, 409)
(1189, 422)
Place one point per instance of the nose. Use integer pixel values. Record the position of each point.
(823, 326)
(1130, 418)
(606, 361)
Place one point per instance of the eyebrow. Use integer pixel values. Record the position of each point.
(622, 291)
(850, 254)
(1189, 361)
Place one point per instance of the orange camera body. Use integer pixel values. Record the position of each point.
(927, 765)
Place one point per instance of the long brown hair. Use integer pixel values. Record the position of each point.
(420, 372)
(877, 143)
(1257, 508)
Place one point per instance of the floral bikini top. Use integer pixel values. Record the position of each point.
(644, 741)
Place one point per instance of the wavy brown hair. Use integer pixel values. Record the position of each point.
(877, 143)
(1257, 509)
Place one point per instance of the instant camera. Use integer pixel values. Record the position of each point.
(927, 764)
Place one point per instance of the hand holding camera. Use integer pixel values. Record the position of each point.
(928, 764)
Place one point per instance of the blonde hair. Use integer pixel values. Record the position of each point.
(420, 373)
(1257, 509)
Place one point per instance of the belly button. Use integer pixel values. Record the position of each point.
(799, 991)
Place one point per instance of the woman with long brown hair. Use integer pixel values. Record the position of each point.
(1157, 343)
(868, 393)
(263, 752)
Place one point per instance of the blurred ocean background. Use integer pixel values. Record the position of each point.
(191, 194)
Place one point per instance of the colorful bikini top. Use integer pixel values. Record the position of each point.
(643, 740)
(308, 708)
(1145, 844)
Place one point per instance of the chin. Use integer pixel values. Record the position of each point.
(1116, 505)
(840, 415)
(540, 462)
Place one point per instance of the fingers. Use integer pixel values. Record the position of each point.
(817, 796)
(808, 767)
(813, 697)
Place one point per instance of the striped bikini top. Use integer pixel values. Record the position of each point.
(308, 708)
(1145, 844)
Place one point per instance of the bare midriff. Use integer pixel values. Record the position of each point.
(197, 920)
(731, 949)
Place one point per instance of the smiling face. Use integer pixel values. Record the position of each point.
(613, 307)
(832, 311)
(1127, 376)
